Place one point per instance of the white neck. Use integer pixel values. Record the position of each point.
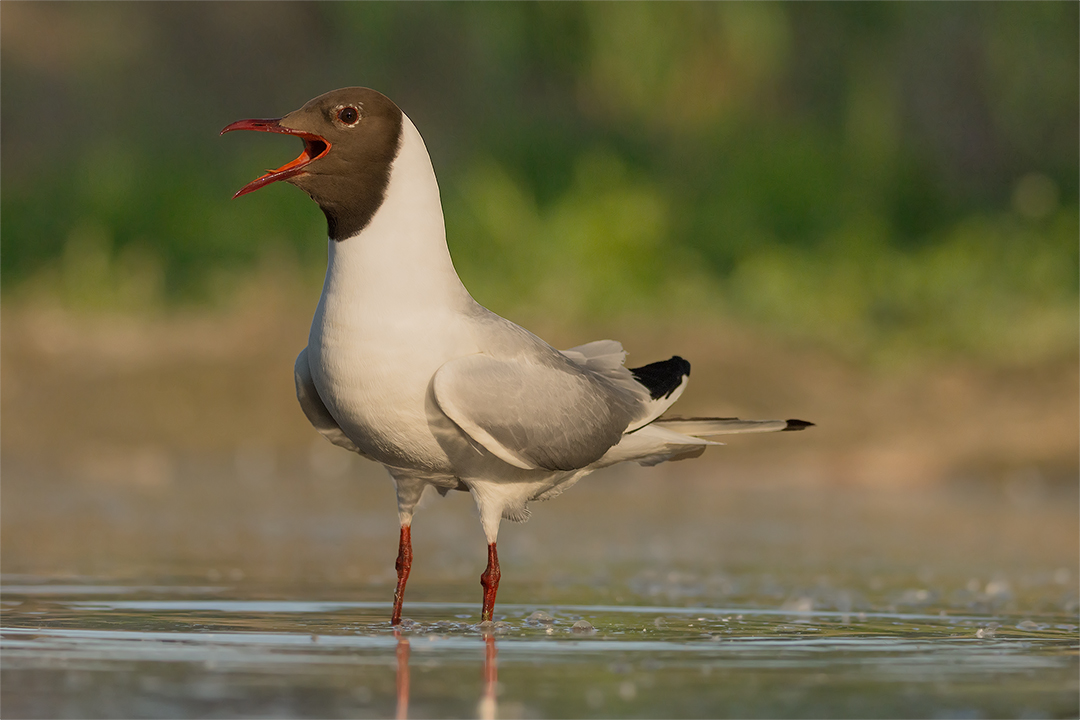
(399, 262)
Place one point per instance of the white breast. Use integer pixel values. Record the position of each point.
(390, 315)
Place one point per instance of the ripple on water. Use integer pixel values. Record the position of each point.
(559, 660)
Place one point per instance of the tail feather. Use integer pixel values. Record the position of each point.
(678, 438)
(705, 427)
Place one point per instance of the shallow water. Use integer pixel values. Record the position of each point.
(226, 596)
(98, 651)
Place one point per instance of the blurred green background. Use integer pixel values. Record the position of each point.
(863, 215)
(880, 179)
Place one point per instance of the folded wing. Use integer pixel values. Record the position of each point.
(551, 414)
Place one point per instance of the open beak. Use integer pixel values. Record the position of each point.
(314, 148)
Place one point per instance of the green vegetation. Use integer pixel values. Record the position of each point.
(881, 178)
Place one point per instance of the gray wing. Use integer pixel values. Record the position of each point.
(544, 413)
(313, 406)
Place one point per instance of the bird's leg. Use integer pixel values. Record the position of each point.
(490, 582)
(403, 566)
(409, 490)
(491, 505)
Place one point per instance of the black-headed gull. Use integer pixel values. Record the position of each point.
(403, 367)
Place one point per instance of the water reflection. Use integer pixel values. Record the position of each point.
(487, 707)
(149, 652)
(402, 675)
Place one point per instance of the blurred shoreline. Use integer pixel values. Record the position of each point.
(112, 394)
(169, 448)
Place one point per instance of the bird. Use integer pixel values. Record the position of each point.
(405, 368)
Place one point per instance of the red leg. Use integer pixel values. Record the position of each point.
(403, 566)
(490, 581)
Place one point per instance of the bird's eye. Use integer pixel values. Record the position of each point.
(348, 115)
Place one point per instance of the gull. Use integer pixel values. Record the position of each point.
(403, 367)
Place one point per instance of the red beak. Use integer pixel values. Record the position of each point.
(315, 147)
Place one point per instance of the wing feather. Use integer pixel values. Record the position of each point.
(549, 414)
(705, 427)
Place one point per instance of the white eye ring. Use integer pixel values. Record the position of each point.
(347, 115)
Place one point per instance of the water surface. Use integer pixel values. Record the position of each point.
(669, 595)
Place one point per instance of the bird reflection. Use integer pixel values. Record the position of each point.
(487, 707)
(402, 675)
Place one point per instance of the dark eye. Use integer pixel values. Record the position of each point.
(348, 115)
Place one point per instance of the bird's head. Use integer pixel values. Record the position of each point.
(351, 137)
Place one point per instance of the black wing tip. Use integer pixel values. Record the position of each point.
(662, 378)
(681, 363)
(795, 425)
